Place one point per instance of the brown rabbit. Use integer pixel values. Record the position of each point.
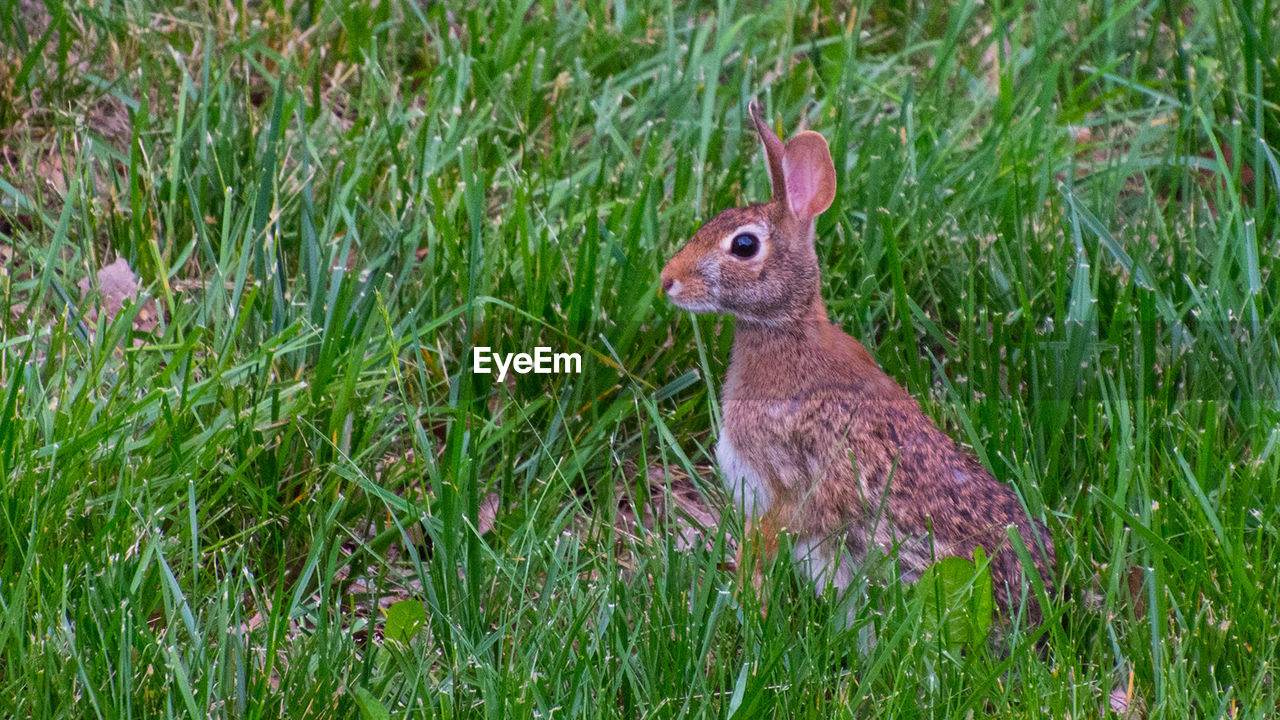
(815, 433)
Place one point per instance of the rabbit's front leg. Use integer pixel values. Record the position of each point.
(757, 550)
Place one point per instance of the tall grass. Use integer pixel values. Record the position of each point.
(1056, 226)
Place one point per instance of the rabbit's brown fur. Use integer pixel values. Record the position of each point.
(814, 431)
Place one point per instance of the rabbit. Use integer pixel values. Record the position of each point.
(815, 435)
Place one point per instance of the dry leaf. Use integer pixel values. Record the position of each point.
(674, 502)
(1124, 704)
(488, 513)
(117, 283)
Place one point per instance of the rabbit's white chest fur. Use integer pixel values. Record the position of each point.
(748, 488)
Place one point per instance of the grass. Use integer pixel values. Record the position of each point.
(1056, 226)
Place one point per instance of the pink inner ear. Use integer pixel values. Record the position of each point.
(809, 175)
(802, 186)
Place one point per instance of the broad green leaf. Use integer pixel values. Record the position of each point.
(404, 620)
(370, 707)
(955, 599)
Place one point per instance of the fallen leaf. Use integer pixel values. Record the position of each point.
(488, 513)
(117, 283)
(1124, 703)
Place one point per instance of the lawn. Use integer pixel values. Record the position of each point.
(250, 471)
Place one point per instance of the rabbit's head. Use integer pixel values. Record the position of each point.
(758, 262)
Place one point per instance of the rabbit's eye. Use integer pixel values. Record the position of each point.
(745, 245)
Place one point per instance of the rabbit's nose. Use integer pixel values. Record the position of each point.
(667, 283)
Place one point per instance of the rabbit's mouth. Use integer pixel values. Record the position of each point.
(677, 293)
(694, 306)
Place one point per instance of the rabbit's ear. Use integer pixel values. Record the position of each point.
(808, 175)
(772, 149)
